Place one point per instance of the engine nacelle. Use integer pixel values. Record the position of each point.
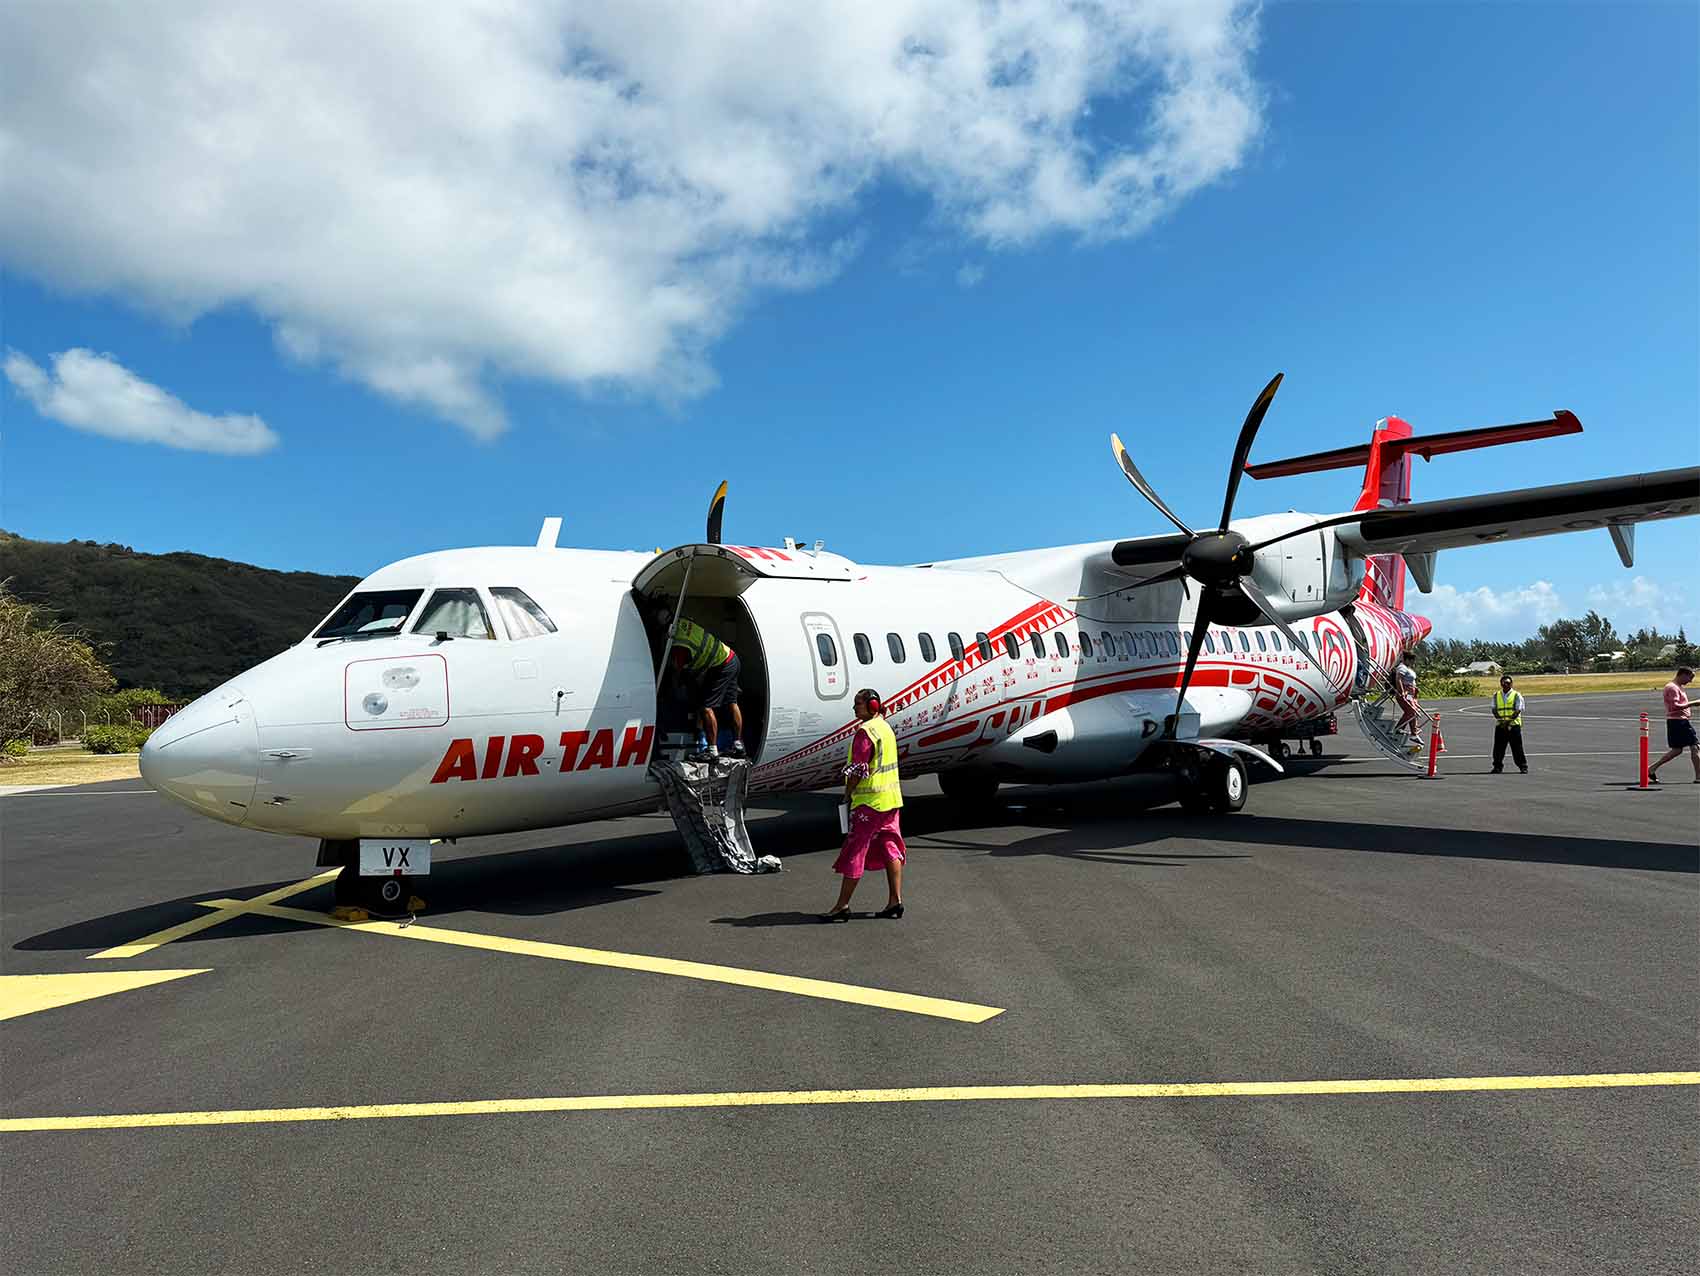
(1304, 575)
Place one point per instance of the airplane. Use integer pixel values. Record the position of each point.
(498, 689)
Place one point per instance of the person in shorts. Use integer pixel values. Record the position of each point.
(1679, 726)
(874, 796)
(712, 668)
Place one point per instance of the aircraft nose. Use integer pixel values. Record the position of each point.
(207, 756)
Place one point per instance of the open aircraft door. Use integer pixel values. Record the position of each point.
(706, 583)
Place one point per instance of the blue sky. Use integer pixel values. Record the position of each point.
(1462, 214)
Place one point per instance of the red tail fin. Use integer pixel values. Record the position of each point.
(1387, 477)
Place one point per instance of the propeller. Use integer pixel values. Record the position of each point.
(1217, 561)
(716, 511)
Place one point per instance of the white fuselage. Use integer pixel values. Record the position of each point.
(409, 735)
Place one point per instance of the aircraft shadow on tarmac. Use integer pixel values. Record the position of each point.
(1107, 824)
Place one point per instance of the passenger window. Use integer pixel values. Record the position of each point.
(1172, 642)
(1107, 643)
(957, 650)
(1039, 645)
(894, 645)
(1260, 645)
(521, 617)
(1304, 642)
(1011, 646)
(828, 650)
(1276, 639)
(928, 652)
(1129, 645)
(455, 612)
(1062, 643)
(985, 644)
(1085, 644)
(1245, 645)
(864, 648)
(1208, 645)
(371, 614)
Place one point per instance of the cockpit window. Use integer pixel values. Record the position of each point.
(371, 614)
(524, 618)
(455, 612)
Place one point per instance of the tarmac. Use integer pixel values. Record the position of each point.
(1372, 1023)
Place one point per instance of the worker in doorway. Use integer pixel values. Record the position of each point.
(1508, 726)
(1405, 695)
(874, 797)
(712, 668)
(1679, 726)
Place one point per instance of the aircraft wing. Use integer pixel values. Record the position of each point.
(1426, 526)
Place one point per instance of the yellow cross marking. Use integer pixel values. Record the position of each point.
(911, 1003)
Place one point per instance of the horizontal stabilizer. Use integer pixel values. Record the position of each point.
(1426, 446)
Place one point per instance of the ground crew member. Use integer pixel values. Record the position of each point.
(1508, 726)
(712, 668)
(1679, 727)
(874, 796)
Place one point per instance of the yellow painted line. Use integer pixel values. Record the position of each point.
(910, 1003)
(147, 943)
(802, 1098)
(26, 994)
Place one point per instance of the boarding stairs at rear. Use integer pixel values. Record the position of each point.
(1378, 714)
(706, 801)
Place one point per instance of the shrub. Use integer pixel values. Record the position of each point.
(15, 748)
(1445, 686)
(122, 738)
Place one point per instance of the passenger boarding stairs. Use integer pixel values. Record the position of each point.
(706, 801)
(1378, 714)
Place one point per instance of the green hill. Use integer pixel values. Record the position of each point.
(180, 622)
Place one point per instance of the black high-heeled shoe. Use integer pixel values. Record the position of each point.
(894, 912)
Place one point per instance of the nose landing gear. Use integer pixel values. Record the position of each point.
(388, 896)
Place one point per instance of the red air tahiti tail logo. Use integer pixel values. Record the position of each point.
(502, 757)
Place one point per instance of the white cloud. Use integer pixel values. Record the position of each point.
(94, 392)
(1503, 615)
(1639, 603)
(1509, 615)
(970, 274)
(431, 197)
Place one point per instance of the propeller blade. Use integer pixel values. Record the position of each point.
(1242, 449)
(1196, 645)
(1338, 520)
(1258, 601)
(716, 511)
(1174, 573)
(1145, 489)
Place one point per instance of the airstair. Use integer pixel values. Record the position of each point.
(706, 801)
(1378, 715)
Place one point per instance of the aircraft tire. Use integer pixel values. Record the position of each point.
(969, 788)
(1315, 748)
(1225, 785)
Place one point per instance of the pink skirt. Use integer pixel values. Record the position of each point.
(875, 841)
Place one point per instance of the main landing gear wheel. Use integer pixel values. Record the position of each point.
(1225, 785)
(1280, 751)
(970, 788)
(1315, 748)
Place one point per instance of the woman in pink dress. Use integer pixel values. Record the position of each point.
(875, 800)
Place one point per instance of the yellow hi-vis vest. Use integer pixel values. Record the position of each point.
(704, 649)
(1506, 711)
(880, 789)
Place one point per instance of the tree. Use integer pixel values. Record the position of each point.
(44, 669)
(1565, 643)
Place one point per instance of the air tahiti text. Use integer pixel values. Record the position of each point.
(504, 756)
